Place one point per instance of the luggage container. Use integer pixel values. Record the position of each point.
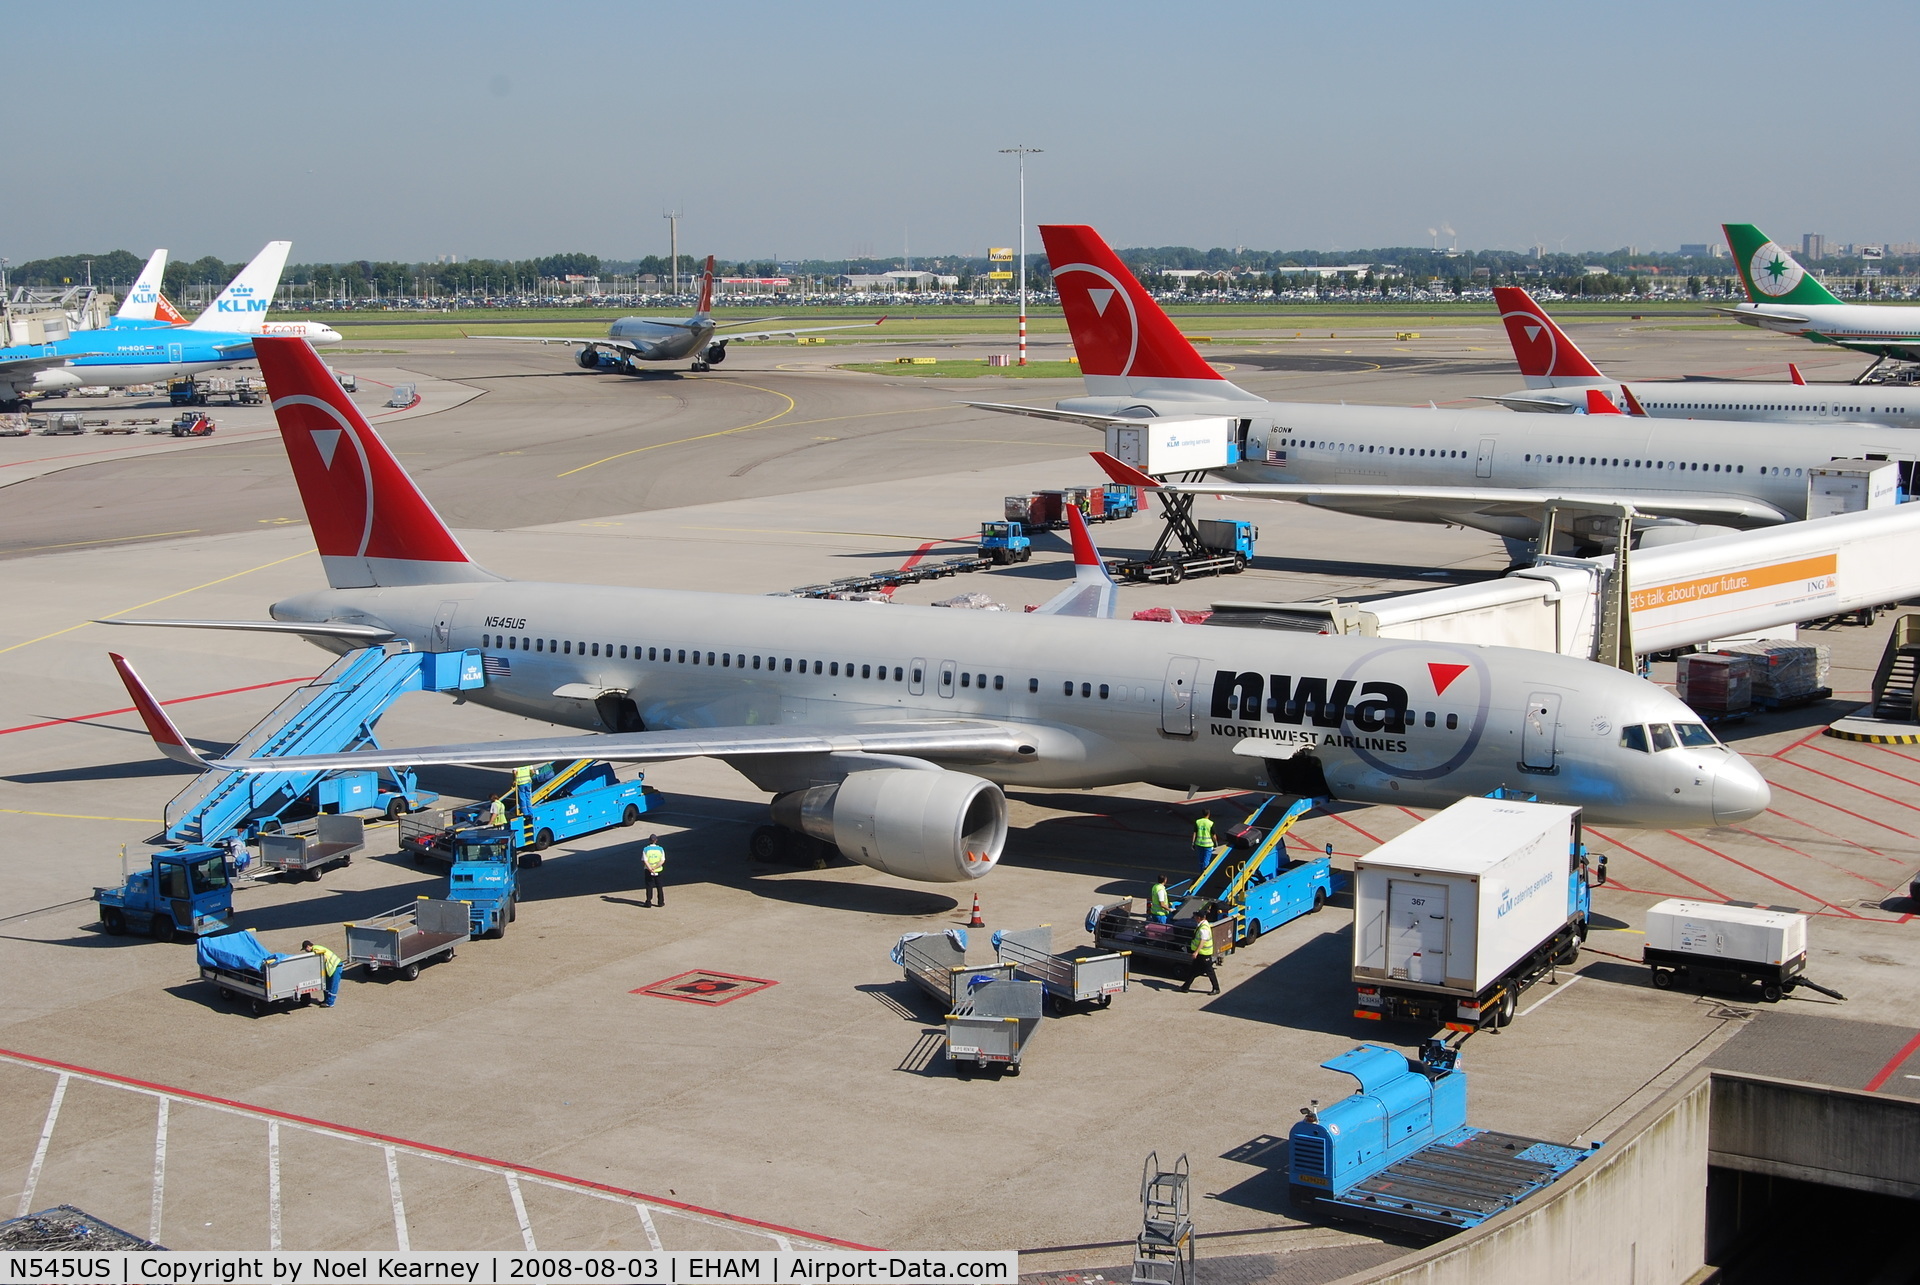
(993, 1024)
(240, 967)
(1715, 683)
(1049, 507)
(1728, 945)
(307, 857)
(1077, 976)
(937, 964)
(423, 931)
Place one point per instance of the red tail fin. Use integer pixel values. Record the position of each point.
(1633, 403)
(1127, 346)
(1598, 403)
(1794, 371)
(370, 522)
(1547, 357)
(706, 290)
(165, 311)
(166, 737)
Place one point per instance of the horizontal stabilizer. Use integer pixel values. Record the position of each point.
(166, 737)
(1123, 472)
(366, 635)
(1060, 416)
(1530, 405)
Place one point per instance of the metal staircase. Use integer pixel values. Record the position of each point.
(1896, 683)
(1163, 1251)
(335, 712)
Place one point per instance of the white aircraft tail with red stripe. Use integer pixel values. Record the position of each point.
(1093, 592)
(1548, 359)
(370, 523)
(1128, 346)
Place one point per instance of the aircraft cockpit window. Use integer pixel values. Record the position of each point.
(1634, 738)
(1694, 734)
(1662, 736)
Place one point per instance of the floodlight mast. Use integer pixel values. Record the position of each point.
(1022, 151)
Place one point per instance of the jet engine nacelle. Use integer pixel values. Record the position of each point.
(715, 354)
(589, 358)
(57, 379)
(934, 826)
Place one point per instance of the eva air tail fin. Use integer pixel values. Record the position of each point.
(1769, 272)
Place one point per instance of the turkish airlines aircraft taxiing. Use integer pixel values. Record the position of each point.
(1473, 468)
(652, 339)
(889, 732)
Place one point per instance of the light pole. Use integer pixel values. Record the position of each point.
(1022, 151)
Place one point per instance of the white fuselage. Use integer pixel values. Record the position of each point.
(1834, 405)
(1106, 701)
(1310, 442)
(1842, 323)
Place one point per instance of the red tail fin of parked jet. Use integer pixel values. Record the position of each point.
(1598, 403)
(1127, 346)
(1547, 357)
(706, 291)
(370, 523)
(1633, 403)
(1794, 371)
(165, 311)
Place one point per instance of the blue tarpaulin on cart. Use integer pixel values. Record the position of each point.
(236, 952)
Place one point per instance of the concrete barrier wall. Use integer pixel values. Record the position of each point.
(1838, 1137)
(1633, 1214)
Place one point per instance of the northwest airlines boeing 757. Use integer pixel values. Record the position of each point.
(1479, 468)
(889, 732)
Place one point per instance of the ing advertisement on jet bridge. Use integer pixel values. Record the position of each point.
(1731, 601)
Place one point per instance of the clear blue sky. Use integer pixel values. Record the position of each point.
(407, 130)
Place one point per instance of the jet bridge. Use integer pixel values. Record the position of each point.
(1675, 596)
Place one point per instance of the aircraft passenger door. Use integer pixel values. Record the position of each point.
(1483, 462)
(917, 678)
(947, 669)
(1539, 734)
(1417, 931)
(443, 626)
(1176, 699)
(174, 354)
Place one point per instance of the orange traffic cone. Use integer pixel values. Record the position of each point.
(976, 921)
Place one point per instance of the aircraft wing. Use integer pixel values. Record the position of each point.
(619, 345)
(366, 635)
(28, 365)
(1047, 412)
(969, 740)
(801, 330)
(1704, 507)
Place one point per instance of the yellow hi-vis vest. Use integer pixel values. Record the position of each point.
(329, 962)
(1157, 903)
(522, 776)
(655, 857)
(1203, 833)
(1203, 939)
(498, 813)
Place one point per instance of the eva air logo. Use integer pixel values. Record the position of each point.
(1773, 272)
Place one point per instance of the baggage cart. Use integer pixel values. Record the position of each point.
(240, 967)
(421, 932)
(1078, 976)
(937, 964)
(1116, 926)
(993, 1024)
(307, 857)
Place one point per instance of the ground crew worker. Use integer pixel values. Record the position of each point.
(523, 787)
(330, 967)
(1203, 957)
(1159, 906)
(1203, 837)
(498, 815)
(654, 858)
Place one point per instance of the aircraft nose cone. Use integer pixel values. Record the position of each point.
(1740, 793)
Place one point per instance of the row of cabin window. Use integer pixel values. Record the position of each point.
(1358, 449)
(726, 660)
(1763, 470)
(1870, 410)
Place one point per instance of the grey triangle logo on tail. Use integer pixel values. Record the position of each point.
(326, 441)
(1101, 298)
(1533, 332)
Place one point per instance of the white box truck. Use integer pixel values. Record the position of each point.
(1726, 945)
(1454, 918)
(1176, 444)
(1851, 486)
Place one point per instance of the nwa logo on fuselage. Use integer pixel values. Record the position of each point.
(1252, 698)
